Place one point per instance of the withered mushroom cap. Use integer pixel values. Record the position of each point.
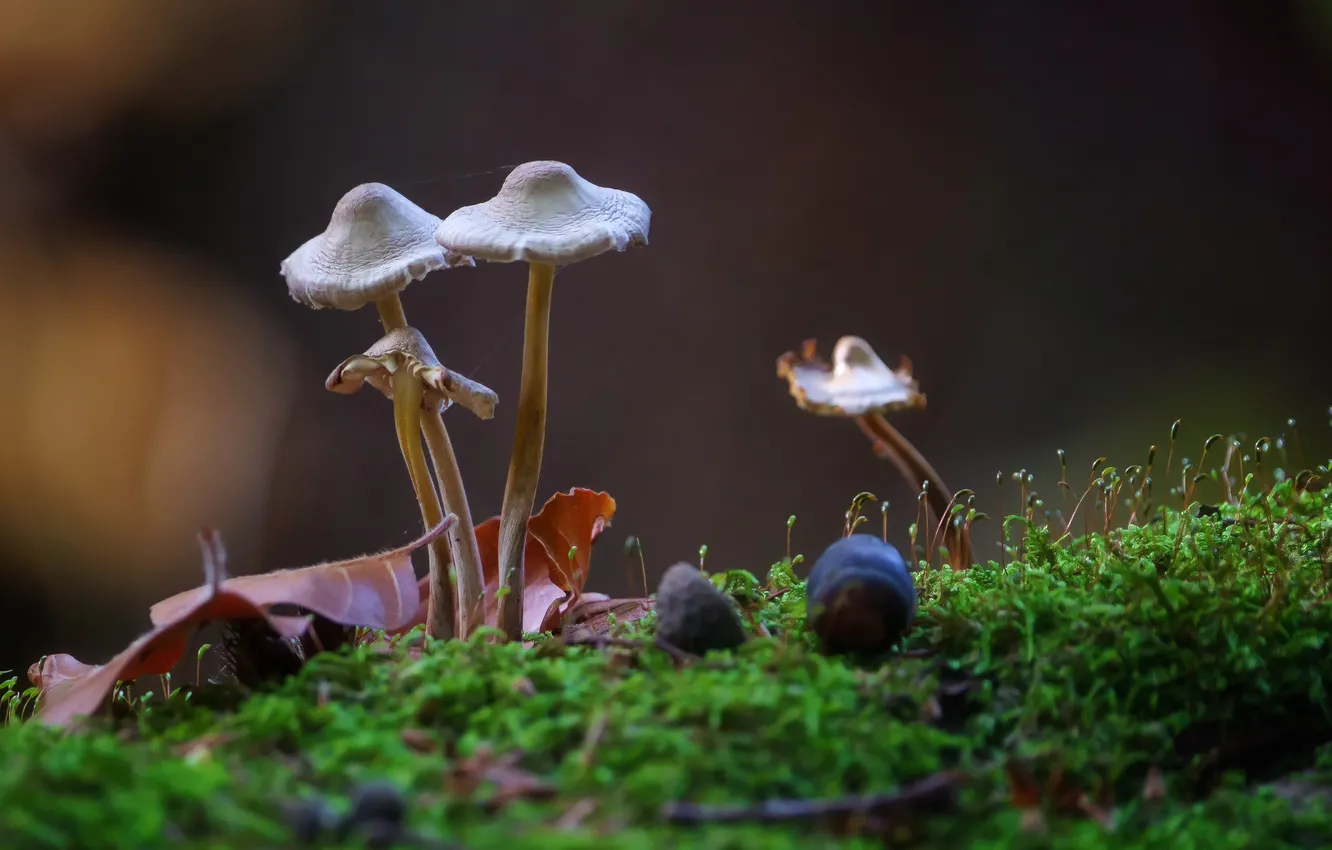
(406, 348)
(857, 383)
(546, 213)
(375, 244)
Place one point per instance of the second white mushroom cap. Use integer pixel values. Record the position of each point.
(406, 348)
(857, 383)
(375, 244)
(546, 213)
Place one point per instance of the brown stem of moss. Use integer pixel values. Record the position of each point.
(890, 445)
(528, 441)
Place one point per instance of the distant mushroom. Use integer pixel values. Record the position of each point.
(376, 243)
(403, 364)
(860, 386)
(546, 215)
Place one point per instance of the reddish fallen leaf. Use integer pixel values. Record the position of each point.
(551, 579)
(378, 591)
(66, 697)
(154, 653)
(539, 592)
(572, 520)
(54, 669)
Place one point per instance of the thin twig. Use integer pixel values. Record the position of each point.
(937, 791)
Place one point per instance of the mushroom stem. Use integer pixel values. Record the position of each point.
(528, 440)
(889, 444)
(471, 581)
(391, 314)
(407, 393)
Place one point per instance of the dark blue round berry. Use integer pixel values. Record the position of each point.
(860, 596)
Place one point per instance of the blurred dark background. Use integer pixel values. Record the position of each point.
(1080, 221)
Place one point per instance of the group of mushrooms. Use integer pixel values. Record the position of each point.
(546, 215)
(376, 243)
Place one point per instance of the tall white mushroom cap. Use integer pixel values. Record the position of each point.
(375, 244)
(546, 213)
(857, 383)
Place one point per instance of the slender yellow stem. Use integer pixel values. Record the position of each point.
(407, 392)
(390, 313)
(466, 555)
(528, 440)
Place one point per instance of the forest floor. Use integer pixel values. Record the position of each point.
(1163, 684)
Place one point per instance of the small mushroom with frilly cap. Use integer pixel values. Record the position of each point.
(376, 243)
(406, 349)
(546, 215)
(860, 596)
(858, 385)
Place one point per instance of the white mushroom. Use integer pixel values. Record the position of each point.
(402, 362)
(858, 385)
(406, 348)
(546, 215)
(376, 243)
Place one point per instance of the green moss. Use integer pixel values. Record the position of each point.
(1196, 645)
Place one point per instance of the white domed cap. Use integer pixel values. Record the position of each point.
(546, 213)
(857, 383)
(375, 244)
(406, 348)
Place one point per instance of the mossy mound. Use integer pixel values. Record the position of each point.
(1157, 685)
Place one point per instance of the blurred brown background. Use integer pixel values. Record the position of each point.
(1080, 223)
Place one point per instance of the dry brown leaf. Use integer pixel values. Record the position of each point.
(539, 591)
(157, 652)
(594, 614)
(54, 669)
(572, 520)
(377, 591)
